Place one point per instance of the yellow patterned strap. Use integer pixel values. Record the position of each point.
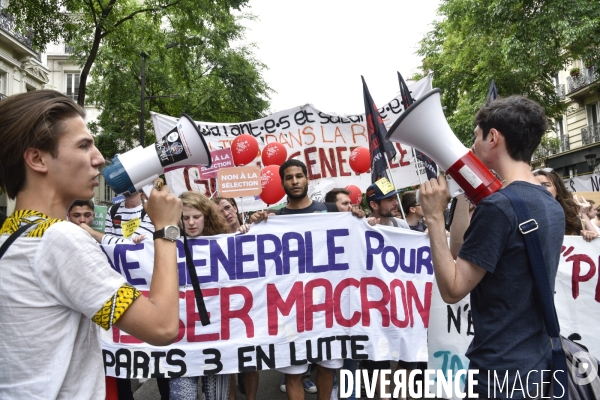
(20, 217)
(112, 310)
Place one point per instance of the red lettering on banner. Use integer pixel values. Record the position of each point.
(379, 305)
(397, 283)
(327, 306)
(323, 136)
(308, 130)
(341, 160)
(358, 130)
(422, 308)
(337, 300)
(327, 164)
(227, 314)
(298, 138)
(338, 133)
(310, 162)
(275, 304)
(192, 316)
(401, 161)
(294, 155)
(576, 276)
(210, 185)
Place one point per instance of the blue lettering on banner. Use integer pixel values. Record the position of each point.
(120, 257)
(391, 257)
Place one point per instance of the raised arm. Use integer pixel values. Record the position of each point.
(155, 319)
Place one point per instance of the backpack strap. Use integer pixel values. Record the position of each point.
(528, 228)
(113, 211)
(115, 207)
(14, 237)
(394, 222)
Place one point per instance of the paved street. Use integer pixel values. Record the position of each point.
(268, 388)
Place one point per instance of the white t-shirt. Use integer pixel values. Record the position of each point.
(122, 216)
(50, 288)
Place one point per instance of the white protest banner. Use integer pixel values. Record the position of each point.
(577, 301)
(587, 183)
(322, 141)
(292, 290)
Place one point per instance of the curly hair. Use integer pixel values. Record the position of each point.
(565, 199)
(214, 223)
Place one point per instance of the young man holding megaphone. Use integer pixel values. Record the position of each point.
(492, 264)
(57, 289)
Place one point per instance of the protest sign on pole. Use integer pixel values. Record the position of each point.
(221, 158)
(239, 181)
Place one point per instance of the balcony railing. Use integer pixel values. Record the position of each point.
(564, 144)
(585, 77)
(590, 134)
(560, 91)
(7, 24)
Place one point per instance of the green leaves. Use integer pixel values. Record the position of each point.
(191, 62)
(520, 44)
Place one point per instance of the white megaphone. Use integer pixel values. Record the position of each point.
(139, 167)
(424, 127)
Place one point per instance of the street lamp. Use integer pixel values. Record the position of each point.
(590, 159)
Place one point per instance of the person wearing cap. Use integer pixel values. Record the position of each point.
(383, 202)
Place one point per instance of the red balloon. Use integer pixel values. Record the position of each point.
(272, 191)
(360, 160)
(355, 194)
(244, 149)
(274, 154)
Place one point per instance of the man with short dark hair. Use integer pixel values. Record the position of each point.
(81, 212)
(384, 204)
(492, 264)
(413, 211)
(294, 180)
(341, 198)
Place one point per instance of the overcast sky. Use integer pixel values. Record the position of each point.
(316, 51)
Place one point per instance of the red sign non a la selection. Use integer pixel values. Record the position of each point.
(221, 158)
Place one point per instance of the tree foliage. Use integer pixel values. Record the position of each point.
(522, 44)
(190, 60)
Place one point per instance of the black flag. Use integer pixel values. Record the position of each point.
(407, 100)
(378, 144)
(492, 93)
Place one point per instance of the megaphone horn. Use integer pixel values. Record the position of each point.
(183, 145)
(424, 127)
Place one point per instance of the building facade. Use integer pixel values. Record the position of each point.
(21, 69)
(576, 139)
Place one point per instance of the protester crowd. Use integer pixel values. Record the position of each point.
(57, 289)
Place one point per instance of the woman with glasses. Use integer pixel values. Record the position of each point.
(572, 208)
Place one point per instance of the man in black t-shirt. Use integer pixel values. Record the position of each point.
(295, 184)
(492, 265)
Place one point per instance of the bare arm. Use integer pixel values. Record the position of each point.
(454, 279)
(155, 319)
